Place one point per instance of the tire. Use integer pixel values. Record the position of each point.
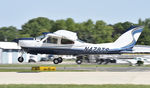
(55, 61)
(20, 59)
(60, 59)
(79, 61)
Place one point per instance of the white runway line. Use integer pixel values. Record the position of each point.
(75, 78)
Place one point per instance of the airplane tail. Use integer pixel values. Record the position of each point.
(127, 40)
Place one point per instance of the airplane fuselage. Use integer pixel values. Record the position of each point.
(68, 49)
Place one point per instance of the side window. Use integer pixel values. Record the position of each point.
(66, 41)
(51, 40)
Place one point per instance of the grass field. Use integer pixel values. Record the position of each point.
(73, 86)
(27, 67)
(67, 65)
(61, 65)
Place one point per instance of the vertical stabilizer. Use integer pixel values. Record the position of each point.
(127, 40)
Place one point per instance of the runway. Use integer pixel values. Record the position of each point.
(75, 78)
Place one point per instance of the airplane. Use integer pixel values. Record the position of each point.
(63, 42)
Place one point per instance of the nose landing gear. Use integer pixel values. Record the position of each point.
(21, 59)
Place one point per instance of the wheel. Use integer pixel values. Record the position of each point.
(20, 59)
(55, 61)
(60, 59)
(79, 61)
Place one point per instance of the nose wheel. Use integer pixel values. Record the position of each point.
(20, 59)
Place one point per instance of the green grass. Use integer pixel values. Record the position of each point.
(17, 70)
(61, 65)
(29, 70)
(73, 86)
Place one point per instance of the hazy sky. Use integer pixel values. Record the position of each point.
(17, 12)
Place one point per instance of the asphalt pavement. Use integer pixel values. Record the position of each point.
(75, 78)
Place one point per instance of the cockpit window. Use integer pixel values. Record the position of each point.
(51, 40)
(66, 41)
(80, 41)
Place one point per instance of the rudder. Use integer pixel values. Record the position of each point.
(127, 40)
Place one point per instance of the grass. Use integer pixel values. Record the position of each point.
(72, 86)
(61, 65)
(66, 65)
(7, 69)
(17, 70)
(29, 70)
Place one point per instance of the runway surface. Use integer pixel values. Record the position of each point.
(75, 78)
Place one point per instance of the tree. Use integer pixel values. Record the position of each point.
(8, 33)
(34, 26)
(120, 28)
(59, 25)
(140, 22)
(70, 24)
(144, 39)
(85, 31)
(102, 32)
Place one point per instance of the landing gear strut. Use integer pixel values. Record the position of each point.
(57, 60)
(21, 59)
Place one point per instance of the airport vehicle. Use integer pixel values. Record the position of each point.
(63, 42)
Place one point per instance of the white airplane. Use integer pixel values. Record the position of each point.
(63, 42)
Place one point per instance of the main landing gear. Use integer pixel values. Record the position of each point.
(57, 60)
(21, 59)
(79, 60)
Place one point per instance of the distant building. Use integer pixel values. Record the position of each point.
(141, 49)
(9, 53)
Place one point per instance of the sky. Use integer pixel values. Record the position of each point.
(18, 12)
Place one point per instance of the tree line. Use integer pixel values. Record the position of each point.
(88, 31)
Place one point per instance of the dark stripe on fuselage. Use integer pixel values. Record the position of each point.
(33, 50)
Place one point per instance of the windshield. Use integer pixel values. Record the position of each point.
(40, 37)
(51, 40)
(80, 41)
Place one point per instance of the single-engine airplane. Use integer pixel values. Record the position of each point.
(63, 42)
